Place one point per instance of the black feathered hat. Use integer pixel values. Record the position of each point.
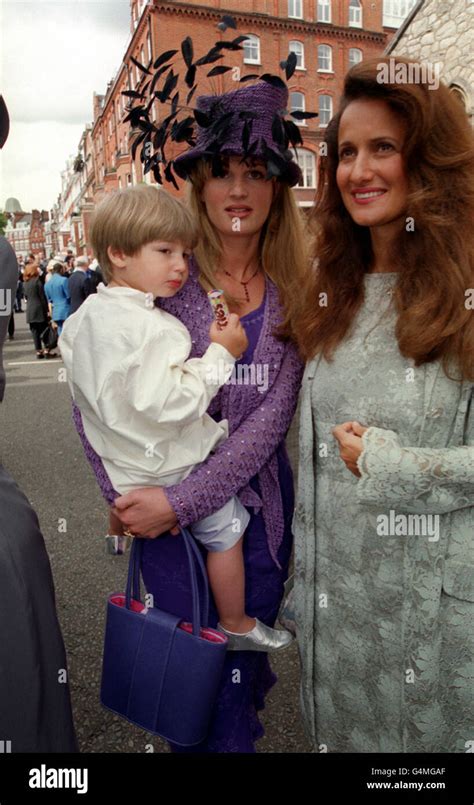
(250, 121)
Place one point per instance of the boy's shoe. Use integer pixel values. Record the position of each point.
(260, 638)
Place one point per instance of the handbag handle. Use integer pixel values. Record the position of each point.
(194, 556)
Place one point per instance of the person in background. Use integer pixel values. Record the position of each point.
(11, 327)
(58, 295)
(79, 283)
(35, 708)
(95, 275)
(37, 312)
(19, 287)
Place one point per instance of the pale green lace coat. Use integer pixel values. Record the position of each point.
(421, 659)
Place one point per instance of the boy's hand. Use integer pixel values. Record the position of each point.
(232, 336)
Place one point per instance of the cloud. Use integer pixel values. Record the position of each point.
(54, 55)
(32, 161)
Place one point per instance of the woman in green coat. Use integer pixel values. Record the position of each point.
(384, 524)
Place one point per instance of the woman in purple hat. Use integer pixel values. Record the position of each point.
(253, 248)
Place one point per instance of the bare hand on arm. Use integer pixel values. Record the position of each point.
(349, 437)
(146, 512)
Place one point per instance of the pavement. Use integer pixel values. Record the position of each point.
(40, 448)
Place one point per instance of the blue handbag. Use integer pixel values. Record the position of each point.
(159, 672)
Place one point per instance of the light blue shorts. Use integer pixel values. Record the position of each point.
(221, 530)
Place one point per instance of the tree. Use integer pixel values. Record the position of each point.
(3, 223)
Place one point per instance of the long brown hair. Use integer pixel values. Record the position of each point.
(30, 270)
(435, 261)
(283, 247)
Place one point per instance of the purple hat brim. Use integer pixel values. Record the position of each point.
(184, 164)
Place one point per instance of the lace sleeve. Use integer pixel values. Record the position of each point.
(418, 480)
(244, 453)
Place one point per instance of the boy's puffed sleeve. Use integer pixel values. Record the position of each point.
(160, 383)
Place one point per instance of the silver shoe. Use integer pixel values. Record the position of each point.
(260, 638)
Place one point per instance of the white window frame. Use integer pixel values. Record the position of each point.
(355, 14)
(306, 159)
(355, 50)
(299, 55)
(324, 12)
(295, 9)
(149, 46)
(327, 53)
(395, 12)
(320, 110)
(301, 108)
(252, 44)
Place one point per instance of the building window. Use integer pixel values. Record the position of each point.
(298, 49)
(324, 10)
(149, 48)
(355, 56)
(252, 50)
(297, 104)
(325, 109)
(355, 14)
(295, 9)
(395, 11)
(325, 58)
(142, 56)
(307, 163)
(129, 180)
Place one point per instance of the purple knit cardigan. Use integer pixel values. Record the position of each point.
(258, 422)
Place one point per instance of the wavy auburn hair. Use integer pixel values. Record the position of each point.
(435, 261)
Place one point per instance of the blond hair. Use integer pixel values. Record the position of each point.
(283, 247)
(129, 219)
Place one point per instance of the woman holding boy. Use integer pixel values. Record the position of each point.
(252, 245)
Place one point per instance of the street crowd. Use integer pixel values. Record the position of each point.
(52, 290)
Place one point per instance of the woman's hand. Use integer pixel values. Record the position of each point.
(349, 437)
(146, 512)
(115, 524)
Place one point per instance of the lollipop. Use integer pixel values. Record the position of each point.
(219, 305)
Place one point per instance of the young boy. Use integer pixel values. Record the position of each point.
(143, 401)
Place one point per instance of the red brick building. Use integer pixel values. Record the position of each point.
(25, 231)
(327, 36)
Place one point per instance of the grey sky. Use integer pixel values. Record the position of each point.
(54, 55)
